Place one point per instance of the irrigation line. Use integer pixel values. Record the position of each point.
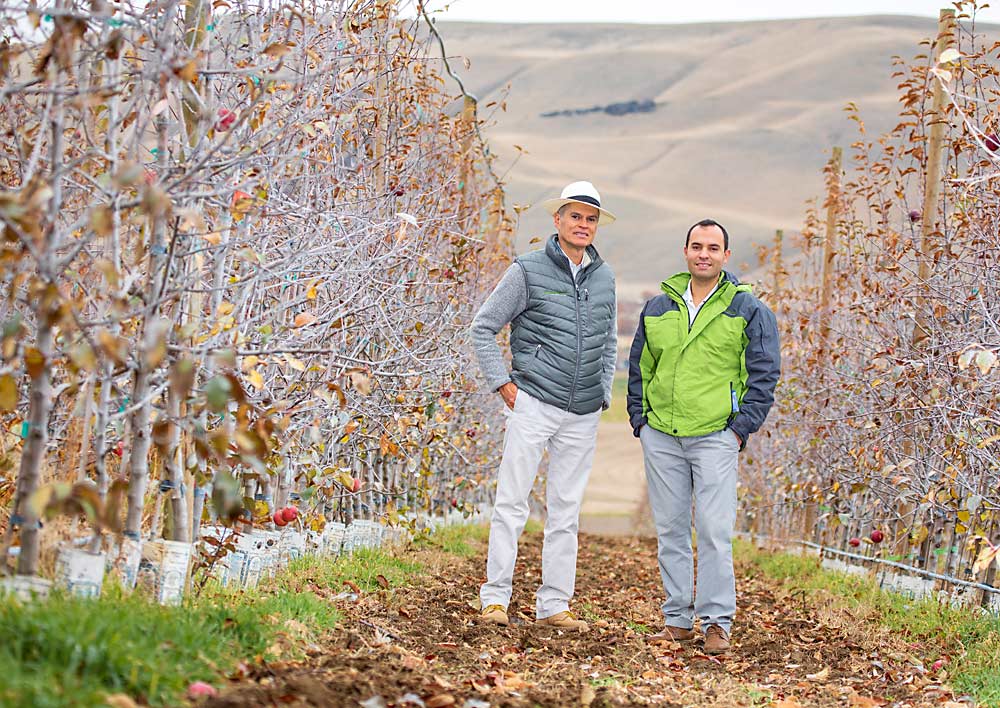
(894, 564)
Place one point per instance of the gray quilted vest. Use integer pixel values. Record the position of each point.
(558, 341)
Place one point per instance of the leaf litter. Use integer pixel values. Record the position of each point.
(423, 645)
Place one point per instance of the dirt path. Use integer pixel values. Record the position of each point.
(422, 645)
(617, 486)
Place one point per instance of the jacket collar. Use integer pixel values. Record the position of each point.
(676, 284)
(558, 256)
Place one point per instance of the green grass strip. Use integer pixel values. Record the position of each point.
(69, 651)
(969, 636)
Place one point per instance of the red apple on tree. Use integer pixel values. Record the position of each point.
(877, 536)
(225, 120)
(290, 514)
(278, 519)
(356, 485)
(992, 142)
(915, 215)
(855, 541)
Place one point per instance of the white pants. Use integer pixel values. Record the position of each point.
(571, 440)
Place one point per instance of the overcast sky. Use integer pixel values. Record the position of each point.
(670, 11)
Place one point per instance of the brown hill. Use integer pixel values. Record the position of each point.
(732, 121)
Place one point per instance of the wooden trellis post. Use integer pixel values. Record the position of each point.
(830, 245)
(932, 178)
(467, 124)
(777, 265)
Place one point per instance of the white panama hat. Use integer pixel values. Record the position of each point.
(582, 193)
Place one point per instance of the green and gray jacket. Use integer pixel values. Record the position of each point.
(718, 372)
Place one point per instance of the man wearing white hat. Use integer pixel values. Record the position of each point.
(560, 303)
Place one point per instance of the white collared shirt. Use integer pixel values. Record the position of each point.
(573, 267)
(689, 301)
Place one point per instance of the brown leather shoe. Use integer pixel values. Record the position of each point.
(672, 634)
(716, 640)
(495, 614)
(565, 620)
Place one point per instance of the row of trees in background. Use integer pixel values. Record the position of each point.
(241, 243)
(886, 419)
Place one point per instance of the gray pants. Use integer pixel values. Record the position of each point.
(702, 469)
(570, 438)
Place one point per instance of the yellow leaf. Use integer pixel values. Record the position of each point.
(255, 379)
(188, 72)
(986, 556)
(295, 363)
(361, 382)
(225, 308)
(304, 318)
(963, 516)
(8, 393)
(277, 50)
(34, 362)
(821, 675)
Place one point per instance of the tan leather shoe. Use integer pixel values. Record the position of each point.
(565, 620)
(495, 614)
(716, 640)
(672, 634)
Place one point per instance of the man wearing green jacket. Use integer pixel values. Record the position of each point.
(702, 371)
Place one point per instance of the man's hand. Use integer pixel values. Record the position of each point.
(509, 393)
(738, 438)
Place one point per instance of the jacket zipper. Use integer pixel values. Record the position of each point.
(673, 383)
(579, 345)
(702, 307)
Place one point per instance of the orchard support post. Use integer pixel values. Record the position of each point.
(932, 176)
(830, 245)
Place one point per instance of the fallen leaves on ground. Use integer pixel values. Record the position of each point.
(421, 644)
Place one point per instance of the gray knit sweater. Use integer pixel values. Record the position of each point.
(508, 300)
